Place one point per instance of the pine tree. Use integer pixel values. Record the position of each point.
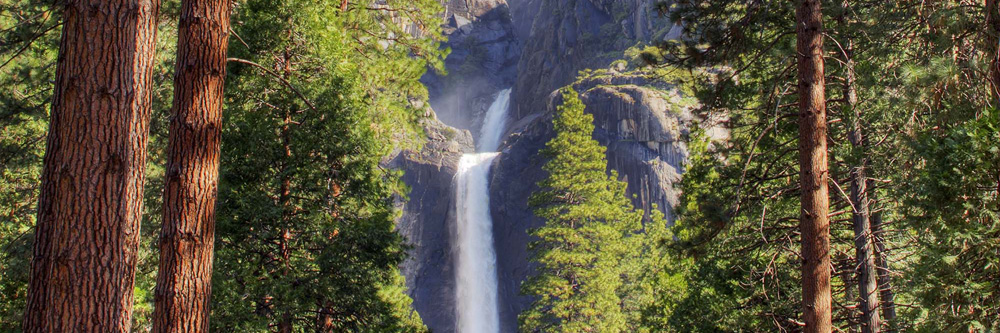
(316, 94)
(90, 205)
(581, 248)
(814, 222)
(29, 44)
(188, 231)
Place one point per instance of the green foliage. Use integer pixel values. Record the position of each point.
(598, 269)
(362, 75)
(27, 57)
(953, 205)
(920, 80)
(305, 220)
(646, 56)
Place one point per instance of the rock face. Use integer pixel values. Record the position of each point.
(427, 220)
(643, 124)
(483, 60)
(536, 47)
(572, 35)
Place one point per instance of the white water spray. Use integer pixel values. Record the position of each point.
(477, 274)
(494, 124)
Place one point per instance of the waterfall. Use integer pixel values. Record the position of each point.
(494, 124)
(476, 277)
(477, 274)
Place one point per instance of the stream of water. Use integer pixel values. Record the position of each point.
(476, 303)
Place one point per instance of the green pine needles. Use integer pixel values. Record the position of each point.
(598, 268)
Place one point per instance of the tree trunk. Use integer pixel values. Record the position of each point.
(285, 325)
(867, 284)
(183, 283)
(324, 319)
(882, 262)
(847, 275)
(814, 223)
(993, 44)
(90, 206)
(285, 197)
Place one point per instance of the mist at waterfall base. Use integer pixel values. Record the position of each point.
(476, 296)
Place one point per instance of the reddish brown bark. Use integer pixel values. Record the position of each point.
(814, 222)
(90, 205)
(183, 282)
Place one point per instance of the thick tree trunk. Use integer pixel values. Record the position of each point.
(90, 205)
(867, 284)
(183, 282)
(814, 222)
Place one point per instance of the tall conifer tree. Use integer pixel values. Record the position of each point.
(90, 206)
(188, 232)
(813, 172)
(580, 249)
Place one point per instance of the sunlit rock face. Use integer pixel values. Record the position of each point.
(643, 124)
(569, 36)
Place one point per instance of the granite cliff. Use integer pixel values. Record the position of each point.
(536, 47)
(643, 123)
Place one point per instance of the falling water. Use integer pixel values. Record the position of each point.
(476, 273)
(494, 124)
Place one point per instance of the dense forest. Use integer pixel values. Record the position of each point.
(499, 166)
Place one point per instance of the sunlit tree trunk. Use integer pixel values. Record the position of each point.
(814, 221)
(183, 283)
(87, 234)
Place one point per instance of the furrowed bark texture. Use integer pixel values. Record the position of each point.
(183, 283)
(90, 205)
(814, 222)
